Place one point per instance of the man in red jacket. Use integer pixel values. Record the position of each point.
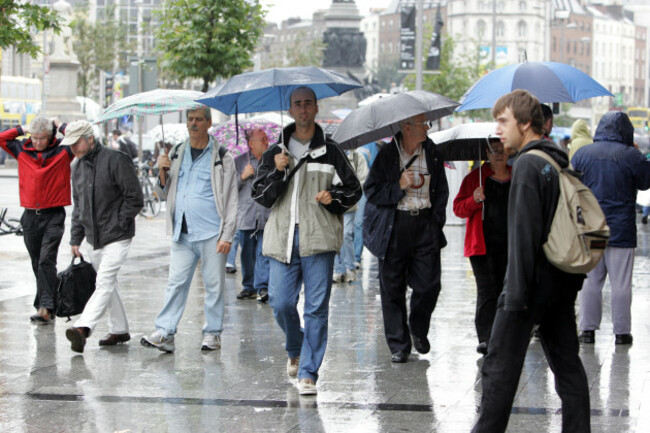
(44, 185)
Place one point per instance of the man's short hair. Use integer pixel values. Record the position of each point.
(546, 111)
(524, 107)
(207, 113)
(40, 125)
(306, 89)
(116, 132)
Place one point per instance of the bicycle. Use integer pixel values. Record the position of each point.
(151, 199)
(9, 226)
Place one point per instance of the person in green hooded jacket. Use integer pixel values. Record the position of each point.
(580, 136)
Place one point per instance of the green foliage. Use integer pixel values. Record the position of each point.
(388, 73)
(18, 20)
(304, 52)
(99, 46)
(207, 39)
(455, 77)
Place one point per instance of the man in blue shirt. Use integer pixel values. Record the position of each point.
(198, 178)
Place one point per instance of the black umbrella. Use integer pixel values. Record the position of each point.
(381, 118)
(465, 142)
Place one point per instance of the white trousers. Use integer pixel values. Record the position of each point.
(107, 262)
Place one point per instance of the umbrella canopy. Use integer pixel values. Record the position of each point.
(173, 133)
(464, 142)
(547, 81)
(381, 118)
(154, 102)
(226, 133)
(270, 89)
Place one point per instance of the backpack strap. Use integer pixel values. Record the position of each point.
(547, 157)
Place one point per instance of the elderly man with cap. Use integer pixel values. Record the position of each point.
(44, 184)
(107, 198)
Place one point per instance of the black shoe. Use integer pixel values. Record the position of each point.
(400, 357)
(644, 219)
(587, 337)
(231, 269)
(482, 348)
(247, 294)
(114, 339)
(421, 344)
(623, 339)
(263, 295)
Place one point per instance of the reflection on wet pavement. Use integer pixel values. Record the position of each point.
(244, 387)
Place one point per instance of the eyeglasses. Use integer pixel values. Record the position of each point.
(426, 123)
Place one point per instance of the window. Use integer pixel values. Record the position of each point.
(480, 29)
(554, 43)
(522, 29)
(522, 5)
(500, 29)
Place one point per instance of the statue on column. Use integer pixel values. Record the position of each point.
(63, 41)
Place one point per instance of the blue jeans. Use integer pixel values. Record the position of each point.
(285, 281)
(345, 258)
(184, 256)
(254, 266)
(358, 228)
(232, 255)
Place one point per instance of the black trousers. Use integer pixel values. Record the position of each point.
(43, 231)
(413, 259)
(507, 347)
(489, 271)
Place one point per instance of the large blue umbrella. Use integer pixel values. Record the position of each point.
(547, 81)
(270, 89)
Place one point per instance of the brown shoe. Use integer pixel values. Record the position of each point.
(42, 317)
(77, 337)
(113, 339)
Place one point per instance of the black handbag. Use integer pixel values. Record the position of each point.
(76, 286)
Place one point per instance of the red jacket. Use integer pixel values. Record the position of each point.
(466, 207)
(43, 177)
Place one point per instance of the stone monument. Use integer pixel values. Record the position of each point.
(63, 69)
(345, 51)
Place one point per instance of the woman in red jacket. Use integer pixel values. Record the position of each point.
(483, 200)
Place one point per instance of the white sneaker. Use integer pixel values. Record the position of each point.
(211, 342)
(338, 278)
(159, 341)
(292, 366)
(307, 387)
(350, 276)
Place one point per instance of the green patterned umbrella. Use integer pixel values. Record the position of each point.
(154, 102)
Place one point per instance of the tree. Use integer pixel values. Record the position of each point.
(99, 46)
(19, 19)
(304, 52)
(455, 77)
(207, 39)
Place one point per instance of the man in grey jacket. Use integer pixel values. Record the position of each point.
(309, 183)
(107, 198)
(199, 180)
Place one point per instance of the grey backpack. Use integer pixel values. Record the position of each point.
(579, 231)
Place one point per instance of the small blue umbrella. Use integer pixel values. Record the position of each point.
(270, 89)
(547, 81)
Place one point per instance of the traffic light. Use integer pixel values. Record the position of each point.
(108, 89)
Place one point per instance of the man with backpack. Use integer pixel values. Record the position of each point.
(535, 293)
(614, 170)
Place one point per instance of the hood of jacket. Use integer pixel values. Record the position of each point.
(549, 147)
(580, 130)
(615, 126)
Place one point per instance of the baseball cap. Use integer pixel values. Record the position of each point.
(75, 130)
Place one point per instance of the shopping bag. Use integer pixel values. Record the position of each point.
(76, 286)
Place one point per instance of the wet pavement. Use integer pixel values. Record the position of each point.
(243, 387)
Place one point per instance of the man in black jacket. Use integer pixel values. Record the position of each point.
(535, 292)
(407, 198)
(107, 198)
